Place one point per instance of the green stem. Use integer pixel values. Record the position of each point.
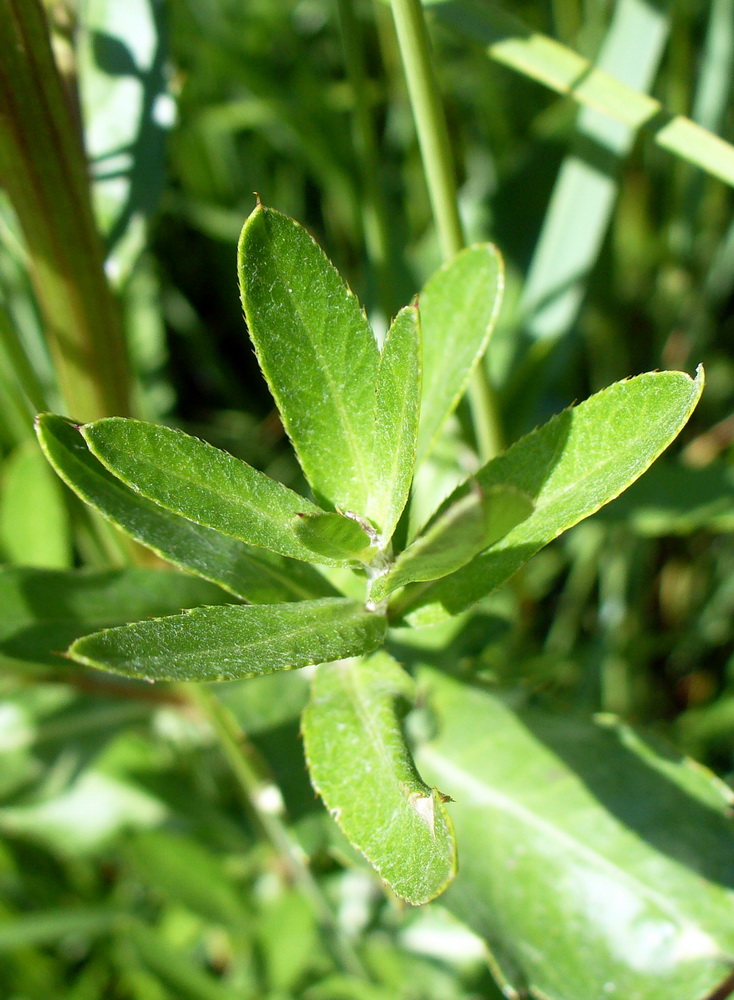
(433, 139)
(372, 202)
(239, 756)
(433, 136)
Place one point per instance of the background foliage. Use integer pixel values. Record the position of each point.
(143, 855)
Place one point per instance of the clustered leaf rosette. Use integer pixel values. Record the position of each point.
(320, 581)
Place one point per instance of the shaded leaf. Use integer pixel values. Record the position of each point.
(224, 643)
(43, 611)
(591, 864)
(468, 526)
(360, 765)
(674, 499)
(334, 536)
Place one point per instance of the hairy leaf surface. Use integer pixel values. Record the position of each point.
(361, 767)
(570, 467)
(317, 352)
(201, 482)
(254, 574)
(224, 643)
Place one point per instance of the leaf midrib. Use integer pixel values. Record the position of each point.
(351, 436)
(483, 794)
(269, 639)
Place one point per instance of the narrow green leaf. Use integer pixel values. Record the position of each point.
(592, 865)
(200, 482)
(397, 411)
(225, 643)
(317, 353)
(361, 767)
(334, 536)
(570, 467)
(458, 306)
(586, 189)
(254, 574)
(541, 58)
(42, 611)
(467, 527)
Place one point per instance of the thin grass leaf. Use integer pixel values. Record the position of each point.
(534, 55)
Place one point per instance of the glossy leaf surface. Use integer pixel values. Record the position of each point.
(224, 643)
(591, 865)
(360, 765)
(398, 402)
(254, 574)
(317, 352)
(458, 306)
(200, 482)
(570, 467)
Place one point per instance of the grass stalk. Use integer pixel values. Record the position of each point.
(373, 205)
(433, 138)
(44, 170)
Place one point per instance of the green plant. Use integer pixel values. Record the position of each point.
(360, 418)
(163, 841)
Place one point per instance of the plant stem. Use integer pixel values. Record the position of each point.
(433, 137)
(372, 201)
(435, 149)
(238, 754)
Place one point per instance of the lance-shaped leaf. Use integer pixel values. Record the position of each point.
(467, 527)
(317, 352)
(202, 483)
(42, 611)
(360, 765)
(254, 574)
(334, 536)
(226, 643)
(397, 409)
(591, 864)
(570, 467)
(459, 306)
